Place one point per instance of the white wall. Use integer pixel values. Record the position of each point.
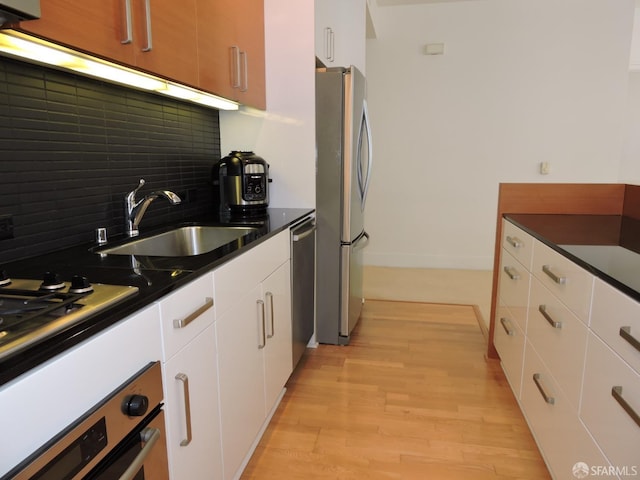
(630, 167)
(521, 81)
(284, 135)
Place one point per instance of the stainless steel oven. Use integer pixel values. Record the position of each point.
(121, 438)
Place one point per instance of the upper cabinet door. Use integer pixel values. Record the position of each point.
(95, 26)
(165, 38)
(231, 49)
(153, 35)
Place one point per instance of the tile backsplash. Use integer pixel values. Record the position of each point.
(72, 147)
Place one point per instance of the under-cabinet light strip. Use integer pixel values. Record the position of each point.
(17, 44)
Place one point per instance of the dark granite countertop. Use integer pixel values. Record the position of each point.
(608, 246)
(155, 277)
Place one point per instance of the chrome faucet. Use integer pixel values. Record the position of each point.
(134, 210)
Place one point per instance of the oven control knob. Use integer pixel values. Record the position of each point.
(80, 284)
(135, 405)
(51, 281)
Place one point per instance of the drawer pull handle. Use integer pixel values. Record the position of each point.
(272, 331)
(625, 332)
(560, 280)
(183, 322)
(515, 242)
(127, 23)
(147, 14)
(181, 377)
(507, 328)
(554, 323)
(512, 272)
(262, 336)
(616, 392)
(547, 398)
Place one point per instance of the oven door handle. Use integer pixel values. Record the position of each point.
(149, 436)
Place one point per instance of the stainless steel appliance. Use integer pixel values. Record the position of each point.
(343, 141)
(241, 182)
(123, 437)
(31, 310)
(303, 253)
(16, 10)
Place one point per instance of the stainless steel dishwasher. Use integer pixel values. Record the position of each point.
(303, 253)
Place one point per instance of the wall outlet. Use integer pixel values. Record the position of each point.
(6, 226)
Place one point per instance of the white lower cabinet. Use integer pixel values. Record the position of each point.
(254, 345)
(611, 404)
(554, 422)
(509, 342)
(190, 378)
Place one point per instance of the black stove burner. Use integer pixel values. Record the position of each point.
(18, 306)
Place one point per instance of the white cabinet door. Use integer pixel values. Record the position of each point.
(191, 403)
(278, 356)
(340, 32)
(509, 341)
(241, 370)
(563, 439)
(611, 404)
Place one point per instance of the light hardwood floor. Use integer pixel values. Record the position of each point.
(412, 397)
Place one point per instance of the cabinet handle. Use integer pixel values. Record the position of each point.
(543, 310)
(128, 27)
(560, 280)
(269, 297)
(147, 14)
(150, 437)
(547, 398)
(512, 272)
(262, 339)
(181, 323)
(181, 377)
(235, 66)
(625, 332)
(515, 242)
(244, 68)
(616, 392)
(327, 43)
(507, 328)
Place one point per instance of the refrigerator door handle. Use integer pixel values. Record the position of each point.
(365, 128)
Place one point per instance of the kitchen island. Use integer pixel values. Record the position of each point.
(565, 327)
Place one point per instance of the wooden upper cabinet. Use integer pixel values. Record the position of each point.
(107, 28)
(93, 26)
(169, 29)
(231, 49)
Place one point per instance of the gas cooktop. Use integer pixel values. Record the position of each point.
(32, 310)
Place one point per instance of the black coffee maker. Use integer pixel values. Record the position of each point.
(240, 183)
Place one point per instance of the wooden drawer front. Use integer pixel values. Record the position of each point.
(185, 313)
(509, 341)
(613, 428)
(560, 339)
(514, 288)
(518, 243)
(569, 282)
(561, 436)
(616, 319)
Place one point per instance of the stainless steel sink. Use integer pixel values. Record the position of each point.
(181, 242)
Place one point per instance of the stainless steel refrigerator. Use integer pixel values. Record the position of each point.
(344, 155)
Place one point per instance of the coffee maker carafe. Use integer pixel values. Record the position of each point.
(241, 180)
